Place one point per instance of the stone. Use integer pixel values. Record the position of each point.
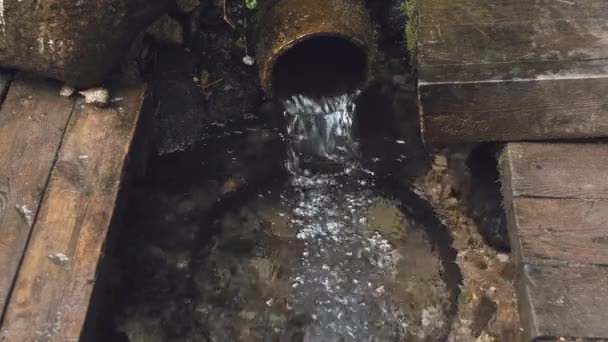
(99, 97)
(167, 30)
(187, 6)
(502, 257)
(67, 90)
(78, 42)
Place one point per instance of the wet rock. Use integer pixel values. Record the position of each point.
(99, 97)
(187, 6)
(167, 30)
(78, 42)
(67, 91)
(502, 257)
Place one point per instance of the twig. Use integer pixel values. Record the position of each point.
(226, 19)
(209, 85)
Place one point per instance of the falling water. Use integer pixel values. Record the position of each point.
(346, 258)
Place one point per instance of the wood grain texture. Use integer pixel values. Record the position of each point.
(507, 11)
(547, 106)
(537, 40)
(496, 31)
(564, 301)
(557, 217)
(558, 170)
(32, 121)
(51, 296)
(496, 70)
(566, 230)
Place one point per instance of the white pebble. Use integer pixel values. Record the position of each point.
(249, 60)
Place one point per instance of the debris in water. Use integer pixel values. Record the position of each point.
(59, 258)
(249, 60)
(26, 213)
(99, 97)
(67, 90)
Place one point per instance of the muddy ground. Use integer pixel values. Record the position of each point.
(219, 147)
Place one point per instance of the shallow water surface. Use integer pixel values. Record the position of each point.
(321, 254)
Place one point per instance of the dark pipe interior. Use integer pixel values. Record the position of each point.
(322, 65)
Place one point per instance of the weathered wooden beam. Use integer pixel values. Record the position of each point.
(512, 70)
(558, 170)
(442, 12)
(564, 301)
(560, 105)
(557, 210)
(565, 230)
(32, 120)
(53, 289)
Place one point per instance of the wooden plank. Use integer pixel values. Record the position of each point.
(498, 31)
(470, 42)
(558, 170)
(433, 75)
(498, 70)
(563, 301)
(556, 108)
(52, 292)
(566, 230)
(32, 121)
(557, 217)
(449, 12)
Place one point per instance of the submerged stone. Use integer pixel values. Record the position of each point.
(167, 30)
(78, 42)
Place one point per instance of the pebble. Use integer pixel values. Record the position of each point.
(99, 97)
(440, 160)
(67, 91)
(248, 60)
(502, 257)
(59, 258)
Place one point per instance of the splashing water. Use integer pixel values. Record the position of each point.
(345, 258)
(320, 129)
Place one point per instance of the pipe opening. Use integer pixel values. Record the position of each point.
(322, 65)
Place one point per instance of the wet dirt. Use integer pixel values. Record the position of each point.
(487, 306)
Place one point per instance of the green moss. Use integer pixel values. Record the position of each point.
(411, 33)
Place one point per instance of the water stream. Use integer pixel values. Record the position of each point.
(345, 259)
(321, 254)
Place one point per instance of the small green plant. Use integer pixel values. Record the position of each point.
(411, 34)
(251, 4)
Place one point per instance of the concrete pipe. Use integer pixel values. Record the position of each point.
(314, 45)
